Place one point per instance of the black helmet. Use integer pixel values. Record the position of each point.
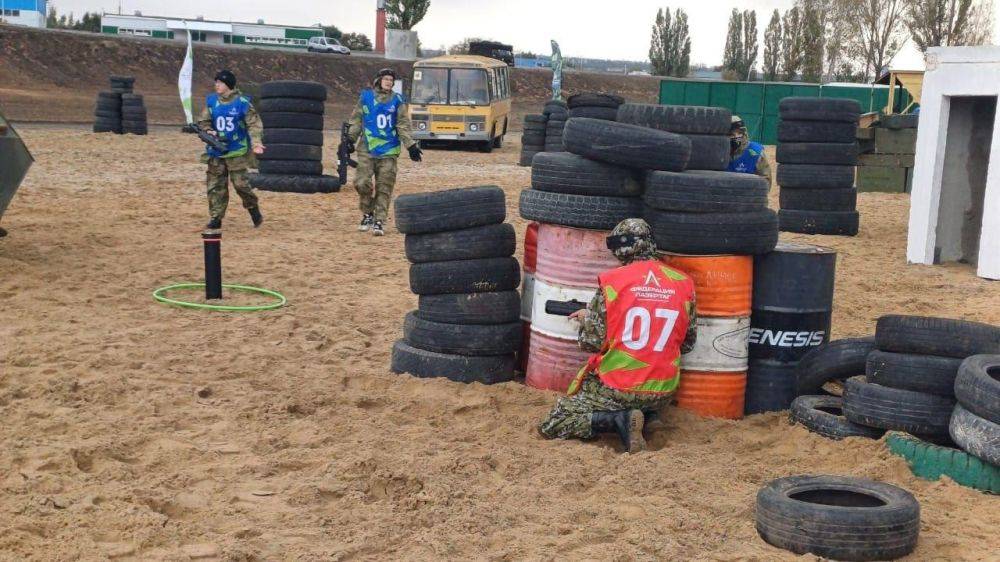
(385, 72)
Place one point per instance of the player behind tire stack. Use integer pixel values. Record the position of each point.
(229, 115)
(383, 120)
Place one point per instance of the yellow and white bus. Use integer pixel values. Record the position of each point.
(460, 98)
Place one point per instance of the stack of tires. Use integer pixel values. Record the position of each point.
(134, 115)
(706, 127)
(467, 325)
(122, 84)
(292, 113)
(556, 114)
(975, 423)
(533, 137)
(595, 106)
(817, 155)
(108, 113)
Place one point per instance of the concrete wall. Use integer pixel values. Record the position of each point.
(26, 17)
(400, 44)
(954, 169)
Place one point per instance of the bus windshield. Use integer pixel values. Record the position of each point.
(456, 86)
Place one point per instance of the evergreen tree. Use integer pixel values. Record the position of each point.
(772, 47)
(733, 54)
(812, 43)
(670, 44)
(791, 44)
(750, 48)
(659, 43)
(682, 40)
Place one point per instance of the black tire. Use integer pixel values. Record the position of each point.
(135, 99)
(534, 127)
(714, 233)
(909, 121)
(579, 211)
(136, 131)
(467, 276)
(293, 105)
(108, 115)
(285, 120)
(839, 223)
(291, 167)
(532, 138)
(595, 112)
(816, 131)
(292, 136)
(819, 109)
(708, 152)
(838, 517)
(535, 118)
(453, 209)
(569, 173)
(919, 373)
(295, 183)
(977, 436)
(98, 128)
(121, 91)
(836, 360)
(472, 308)
(277, 151)
(843, 200)
(554, 106)
(490, 241)
(462, 339)
(627, 145)
(685, 119)
(108, 122)
(935, 336)
(553, 148)
(134, 124)
(108, 107)
(824, 415)
(977, 386)
(109, 97)
(770, 386)
(705, 192)
(592, 99)
(133, 115)
(459, 368)
(836, 153)
(293, 89)
(875, 405)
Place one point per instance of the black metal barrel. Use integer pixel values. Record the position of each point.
(792, 312)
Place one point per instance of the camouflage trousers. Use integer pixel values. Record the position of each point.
(571, 416)
(221, 171)
(384, 170)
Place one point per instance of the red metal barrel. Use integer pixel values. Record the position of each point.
(553, 362)
(573, 256)
(528, 287)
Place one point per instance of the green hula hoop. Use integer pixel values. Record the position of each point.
(159, 296)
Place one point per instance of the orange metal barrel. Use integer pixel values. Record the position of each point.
(716, 395)
(723, 284)
(554, 362)
(573, 256)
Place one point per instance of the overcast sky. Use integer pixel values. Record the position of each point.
(586, 28)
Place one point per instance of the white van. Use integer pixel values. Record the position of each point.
(326, 45)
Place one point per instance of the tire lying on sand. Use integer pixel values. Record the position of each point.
(825, 200)
(838, 517)
(815, 176)
(977, 386)
(563, 172)
(705, 192)
(919, 373)
(935, 336)
(875, 405)
(290, 183)
(979, 437)
(819, 109)
(490, 241)
(462, 339)
(824, 415)
(293, 136)
(452, 209)
(471, 308)
(579, 211)
(627, 145)
(748, 233)
(683, 119)
(466, 276)
(293, 89)
(836, 360)
(488, 369)
(840, 223)
(931, 461)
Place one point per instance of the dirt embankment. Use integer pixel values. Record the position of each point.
(55, 76)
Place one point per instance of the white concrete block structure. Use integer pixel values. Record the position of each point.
(955, 200)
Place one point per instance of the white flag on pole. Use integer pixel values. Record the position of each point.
(184, 81)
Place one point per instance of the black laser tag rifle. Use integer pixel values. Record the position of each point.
(210, 140)
(344, 151)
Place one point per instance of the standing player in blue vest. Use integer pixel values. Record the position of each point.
(746, 156)
(382, 122)
(229, 115)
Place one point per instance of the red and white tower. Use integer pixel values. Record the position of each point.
(380, 27)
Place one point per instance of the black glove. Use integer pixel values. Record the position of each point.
(415, 153)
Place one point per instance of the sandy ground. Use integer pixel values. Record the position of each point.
(137, 431)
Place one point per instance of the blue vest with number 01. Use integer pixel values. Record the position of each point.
(380, 124)
(747, 162)
(229, 121)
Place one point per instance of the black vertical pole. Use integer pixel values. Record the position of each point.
(213, 263)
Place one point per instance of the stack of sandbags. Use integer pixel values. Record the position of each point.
(532, 137)
(706, 127)
(292, 113)
(556, 114)
(467, 324)
(817, 155)
(134, 115)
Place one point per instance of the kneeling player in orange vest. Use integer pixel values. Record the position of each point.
(639, 322)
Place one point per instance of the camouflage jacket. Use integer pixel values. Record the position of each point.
(594, 326)
(255, 129)
(403, 126)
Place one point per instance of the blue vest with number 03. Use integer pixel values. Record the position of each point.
(229, 121)
(380, 124)
(747, 162)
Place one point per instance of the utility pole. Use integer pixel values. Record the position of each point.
(380, 27)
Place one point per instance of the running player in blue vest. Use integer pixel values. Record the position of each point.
(746, 157)
(229, 115)
(382, 122)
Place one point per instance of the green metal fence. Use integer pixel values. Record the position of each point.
(757, 102)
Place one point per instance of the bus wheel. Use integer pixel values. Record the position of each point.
(487, 145)
(498, 142)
